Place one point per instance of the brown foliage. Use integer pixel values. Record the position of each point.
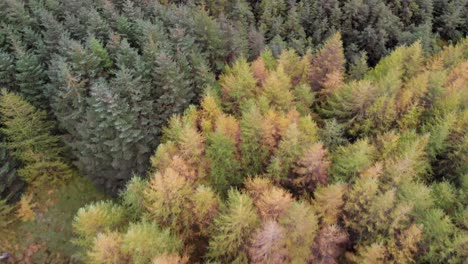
(327, 64)
(257, 186)
(329, 202)
(329, 244)
(268, 244)
(312, 168)
(259, 70)
(170, 259)
(274, 203)
(107, 249)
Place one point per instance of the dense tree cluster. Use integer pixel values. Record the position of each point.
(291, 160)
(112, 72)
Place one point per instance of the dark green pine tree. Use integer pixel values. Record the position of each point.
(236, 39)
(7, 70)
(108, 138)
(272, 15)
(208, 36)
(450, 18)
(67, 94)
(320, 18)
(31, 77)
(293, 31)
(52, 35)
(96, 25)
(173, 93)
(11, 185)
(371, 26)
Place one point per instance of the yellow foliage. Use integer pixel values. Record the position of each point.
(192, 147)
(293, 65)
(405, 245)
(228, 126)
(170, 259)
(163, 156)
(329, 201)
(107, 249)
(25, 208)
(277, 89)
(373, 254)
(274, 203)
(259, 70)
(257, 186)
(210, 110)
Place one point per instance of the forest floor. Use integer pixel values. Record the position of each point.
(47, 238)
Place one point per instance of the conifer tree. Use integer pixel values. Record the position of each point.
(348, 161)
(327, 64)
(97, 218)
(225, 168)
(144, 241)
(11, 184)
(232, 228)
(29, 137)
(7, 70)
(31, 78)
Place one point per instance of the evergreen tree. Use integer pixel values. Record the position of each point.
(11, 184)
(31, 78)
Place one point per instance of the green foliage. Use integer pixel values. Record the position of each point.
(29, 138)
(157, 57)
(232, 228)
(11, 184)
(444, 197)
(6, 217)
(96, 218)
(237, 85)
(132, 197)
(98, 50)
(31, 78)
(225, 168)
(332, 134)
(144, 241)
(348, 161)
(258, 174)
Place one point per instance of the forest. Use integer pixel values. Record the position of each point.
(242, 131)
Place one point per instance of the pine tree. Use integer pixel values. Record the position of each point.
(31, 78)
(208, 36)
(449, 19)
(7, 70)
(320, 19)
(371, 26)
(293, 31)
(11, 185)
